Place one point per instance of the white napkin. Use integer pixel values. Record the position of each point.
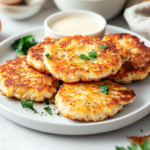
(138, 18)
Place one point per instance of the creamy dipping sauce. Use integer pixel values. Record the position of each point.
(75, 25)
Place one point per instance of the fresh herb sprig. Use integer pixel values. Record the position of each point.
(48, 110)
(144, 146)
(27, 104)
(82, 56)
(22, 45)
(91, 55)
(104, 88)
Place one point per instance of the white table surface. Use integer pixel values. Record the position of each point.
(16, 137)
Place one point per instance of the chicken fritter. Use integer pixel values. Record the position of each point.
(135, 54)
(84, 58)
(18, 79)
(35, 55)
(89, 102)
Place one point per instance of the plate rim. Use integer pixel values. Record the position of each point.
(77, 124)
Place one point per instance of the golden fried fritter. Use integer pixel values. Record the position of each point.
(84, 101)
(35, 55)
(76, 58)
(128, 73)
(135, 54)
(18, 79)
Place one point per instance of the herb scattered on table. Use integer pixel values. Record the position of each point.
(48, 110)
(22, 45)
(144, 146)
(27, 104)
(104, 88)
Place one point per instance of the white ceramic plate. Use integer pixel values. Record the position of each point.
(11, 107)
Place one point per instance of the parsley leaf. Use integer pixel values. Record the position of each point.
(102, 47)
(48, 56)
(104, 88)
(27, 104)
(48, 110)
(120, 148)
(47, 102)
(93, 54)
(58, 113)
(22, 45)
(82, 56)
(145, 146)
(63, 55)
(52, 103)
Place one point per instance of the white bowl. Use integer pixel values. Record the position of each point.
(53, 34)
(107, 8)
(22, 11)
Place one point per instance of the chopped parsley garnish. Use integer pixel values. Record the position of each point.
(48, 110)
(52, 103)
(144, 146)
(58, 114)
(42, 112)
(104, 88)
(82, 56)
(48, 56)
(93, 54)
(63, 55)
(27, 104)
(47, 102)
(102, 47)
(22, 45)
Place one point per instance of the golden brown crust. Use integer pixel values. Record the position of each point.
(84, 101)
(135, 54)
(20, 80)
(70, 68)
(35, 55)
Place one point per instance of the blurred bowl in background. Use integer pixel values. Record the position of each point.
(107, 8)
(22, 11)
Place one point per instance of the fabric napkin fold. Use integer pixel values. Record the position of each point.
(138, 18)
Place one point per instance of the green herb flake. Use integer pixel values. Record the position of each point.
(48, 56)
(47, 102)
(104, 88)
(22, 45)
(52, 103)
(82, 56)
(145, 146)
(48, 110)
(42, 112)
(93, 55)
(45, 114)
(62, 55)
(58, 114)
(27, 104)
(102, 47)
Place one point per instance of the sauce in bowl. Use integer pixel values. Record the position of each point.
(73, 25)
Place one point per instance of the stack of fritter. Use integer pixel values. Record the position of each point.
(82, 62)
